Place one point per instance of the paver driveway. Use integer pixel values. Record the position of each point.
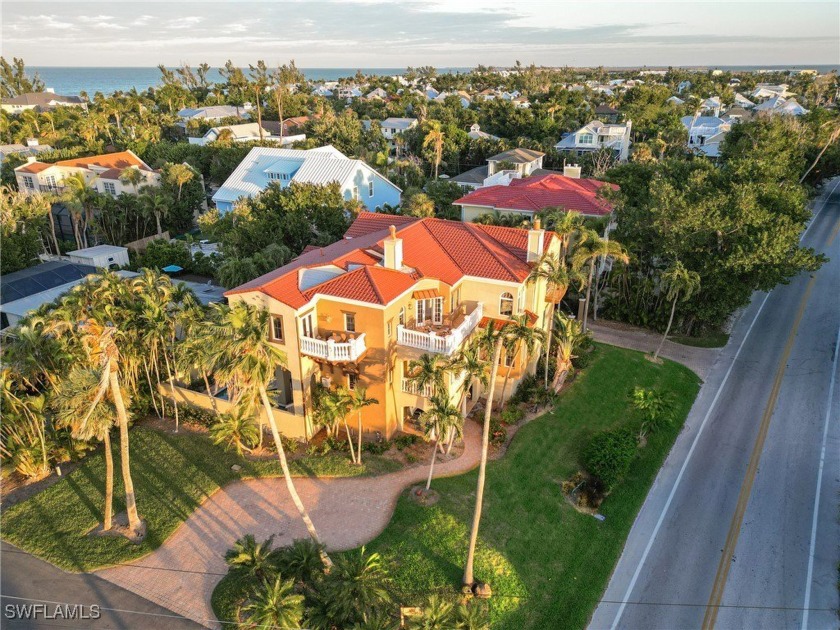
(181, 574)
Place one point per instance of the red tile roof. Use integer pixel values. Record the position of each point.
(33, 167)
(432, 248)
(120, 160)
(533, 194)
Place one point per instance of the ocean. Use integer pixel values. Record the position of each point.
(72, 81)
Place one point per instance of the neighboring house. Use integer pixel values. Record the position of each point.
(463, 97)
(535, 194)
(596, 136)
(712, 104)
(475, 133)
(738, 114)
(501, 168)
(322, 90)
(324, 165)
(743, 101)
(40, 101)
(606, 113)
(349, 92)
(780, 105)
(212, 113)
(32, 147)
(705, 133)
(101, 172)
(675, 100)
(355, 313)
(295, 125)
(101, 256)
(248, 132)
(377, 93)
(392, 127)
(683, 86)
(763, 91)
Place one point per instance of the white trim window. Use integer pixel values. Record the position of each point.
(306, 328)
(356, 193)
(350, 322)
(586, 138)
(277, 328)
(402, 316)
(370, 188)
(506, 304)
(352, 381)
(28, 182)
(110, 188)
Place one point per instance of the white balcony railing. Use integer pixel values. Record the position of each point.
(439, 343)
(411, 387)
(331, 350)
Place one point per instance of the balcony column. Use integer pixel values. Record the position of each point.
(330, 349)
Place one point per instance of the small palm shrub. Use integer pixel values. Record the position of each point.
(657, 407)
(609, 455)
(236, 431)
(251, 559)
(300, 561)
(274, 604)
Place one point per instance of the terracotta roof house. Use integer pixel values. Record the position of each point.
(41, 101)
(101, 172)
(501, 168)
(536, 193)
(356, 313)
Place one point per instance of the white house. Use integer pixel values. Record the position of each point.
(377, 93)
(392, 127)
(502, 168)
(683, 86)
(102, 256)
(475, 133)
(103, 173)
(324, 165)
(743, 101)
(32, 147)
(322, 90)
(675, 100)
(712, 104)
(705, 133)
(41, 101)
(780, 105)
(596, 136)
(212, 113)
(247, 132)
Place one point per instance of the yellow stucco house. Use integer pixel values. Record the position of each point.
(356, 312)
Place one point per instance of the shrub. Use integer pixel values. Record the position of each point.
(376, 448)
(609, 455)
(586, 352)
(512, 414)
(190, 414)
(402, 442)
(527, 390)
(498, 433)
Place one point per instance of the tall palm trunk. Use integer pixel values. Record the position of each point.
(469, 578)
(107, 521)
(259, 112)
(588, 294)
(171, 388)
(550, 334)
(151, 388)
(359, 450)
(134, 523)
(350, 442)
(157, 221)
(290, 485)
(667, 330)
(54, 236)
(210, 393)
(432, 465)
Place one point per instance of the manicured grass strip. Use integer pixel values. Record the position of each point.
(547, 563)
(711, 340)
(173, 475)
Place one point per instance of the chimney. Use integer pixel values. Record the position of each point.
(32, 142)
(535, 241)
(393, 247)
(31, 159)
(572, 171)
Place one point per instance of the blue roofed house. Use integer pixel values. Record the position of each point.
(324, 165)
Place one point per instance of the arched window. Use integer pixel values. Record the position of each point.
(506, 304)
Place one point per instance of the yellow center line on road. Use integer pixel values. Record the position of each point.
(722, 574)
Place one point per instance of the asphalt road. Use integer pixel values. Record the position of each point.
(26, 581)
(741, 527)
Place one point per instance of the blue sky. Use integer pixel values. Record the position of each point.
(388, 33)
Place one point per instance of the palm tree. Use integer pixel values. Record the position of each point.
(519, 334)
(155, 204)
(357, 585)
(132, 176)
(427, 372)
(497, 339)
(358, 401)
(565, 223)
(434, 142)
(469, 364)
(436, 614)
(441, 418)
(569, 337)
(248, 360)
(251, 559)
(236, 430)
(679, 284)
(275, 605)
(587, 254)
(77, 408)
(552, 269)
(180, 174)
(77, 198)
(834, 133)
(22, 433)
(333, 407)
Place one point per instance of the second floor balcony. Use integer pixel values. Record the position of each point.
(334, 348)
(441, 339)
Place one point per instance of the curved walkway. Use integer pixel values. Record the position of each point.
(348, 512)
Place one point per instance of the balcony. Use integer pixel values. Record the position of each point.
(332, 350)
(410, 387)
(440, 339)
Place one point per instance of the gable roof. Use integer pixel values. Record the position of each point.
(539, 192)
(42, 99)
(517, 156)
(606, 110)
(432, 248)
(108, 161)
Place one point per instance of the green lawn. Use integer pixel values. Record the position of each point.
(172, 475)
(547, 563)
(710, 340)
